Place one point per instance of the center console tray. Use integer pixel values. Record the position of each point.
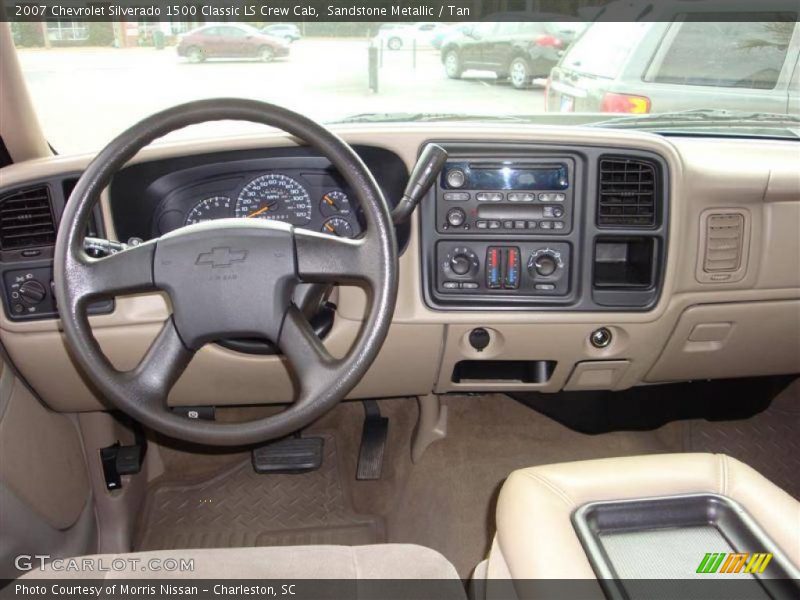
(699, 545)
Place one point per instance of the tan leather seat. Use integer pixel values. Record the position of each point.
(535, 506)
(382, 561)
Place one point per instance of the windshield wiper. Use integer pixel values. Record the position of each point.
(405, 117)
(698, 116)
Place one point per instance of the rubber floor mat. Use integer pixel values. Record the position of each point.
(238, 507)
(768, 442)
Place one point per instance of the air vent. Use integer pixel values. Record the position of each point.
(627, 194)
(26, 219)
(724, 234)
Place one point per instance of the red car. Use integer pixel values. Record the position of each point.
(230, 41)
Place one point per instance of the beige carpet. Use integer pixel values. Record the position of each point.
(447, 500)
(769, 442)
(238, 507)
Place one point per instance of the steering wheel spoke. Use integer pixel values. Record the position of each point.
(160, 368)
(308, 357)
(329, 259)
(125, 272)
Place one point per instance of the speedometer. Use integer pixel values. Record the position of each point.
(276, 197)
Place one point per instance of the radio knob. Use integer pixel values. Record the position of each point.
(456, 178)
(32, 292)
(456, 217)
(544, 264)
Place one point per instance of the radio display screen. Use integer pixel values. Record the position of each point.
(502, 176)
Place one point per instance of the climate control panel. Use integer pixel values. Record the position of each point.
(521, 268)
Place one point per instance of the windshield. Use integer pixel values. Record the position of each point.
(91, 80)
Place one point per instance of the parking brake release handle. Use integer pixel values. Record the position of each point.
(428, 167)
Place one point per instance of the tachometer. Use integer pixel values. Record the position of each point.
(216, 207)
(276, 197)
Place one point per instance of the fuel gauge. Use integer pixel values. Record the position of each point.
(335, 203)
(338, 226)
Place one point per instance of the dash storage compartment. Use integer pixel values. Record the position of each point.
(503, 371)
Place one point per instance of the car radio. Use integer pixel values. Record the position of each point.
(528, 197)
(515, 226)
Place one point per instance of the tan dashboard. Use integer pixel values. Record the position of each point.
(701, 327)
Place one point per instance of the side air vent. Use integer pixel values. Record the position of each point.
(628, 193)
(724, 233)
(26, 219)
(724, 245)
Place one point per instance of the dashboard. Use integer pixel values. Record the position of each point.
(543, 259)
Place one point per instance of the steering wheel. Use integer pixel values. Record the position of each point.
(225, 279)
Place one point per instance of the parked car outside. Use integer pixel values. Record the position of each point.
(744, 63)
(519, 51)
(230, 41)
(285, 31)
(439, 38)
(396, 36)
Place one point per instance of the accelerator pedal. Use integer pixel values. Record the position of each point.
(373, 442)
(289, 455)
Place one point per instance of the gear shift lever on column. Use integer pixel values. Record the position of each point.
(429, 165)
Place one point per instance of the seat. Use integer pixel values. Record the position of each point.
(380, 561)
(536, 538)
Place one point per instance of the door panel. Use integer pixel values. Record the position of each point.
(45, 498)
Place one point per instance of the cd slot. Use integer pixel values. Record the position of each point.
(495, 166)
(513, 211)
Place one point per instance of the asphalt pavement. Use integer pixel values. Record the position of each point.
(85, 96)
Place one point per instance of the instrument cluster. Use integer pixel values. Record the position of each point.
(305, 198)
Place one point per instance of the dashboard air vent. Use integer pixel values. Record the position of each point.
(627, 197)
(26, 219)
(724, 234)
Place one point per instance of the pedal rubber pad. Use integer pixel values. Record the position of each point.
(373, 443)
(290, 455)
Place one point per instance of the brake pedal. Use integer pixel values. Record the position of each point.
(373, 442)
(290, 455)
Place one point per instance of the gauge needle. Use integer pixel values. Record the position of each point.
(330, 228)
(258, 212)
(329, 200)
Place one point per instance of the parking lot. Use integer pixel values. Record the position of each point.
(84, 96)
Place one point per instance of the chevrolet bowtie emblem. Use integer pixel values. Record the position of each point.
(221, 257)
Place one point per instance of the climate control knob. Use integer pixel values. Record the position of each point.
(456, 217)
(544, 262)
(32, 292)
(460, 264)
(545, 265)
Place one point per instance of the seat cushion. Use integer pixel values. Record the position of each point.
(536, 504)
(380, 561)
